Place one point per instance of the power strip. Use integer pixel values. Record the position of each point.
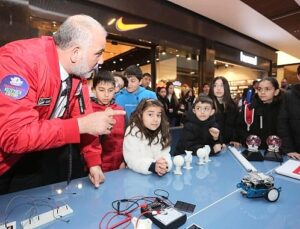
(47, 217)
(10, 225)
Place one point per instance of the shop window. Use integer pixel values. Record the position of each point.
(178, 66)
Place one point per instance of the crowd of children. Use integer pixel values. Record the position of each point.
(213, 118)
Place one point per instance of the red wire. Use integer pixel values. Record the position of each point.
(106, 214)
(128, 218)
(127, 214)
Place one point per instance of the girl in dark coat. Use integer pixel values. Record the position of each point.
(265, 106)
(161, 94)
(226, 110)
(173, 105)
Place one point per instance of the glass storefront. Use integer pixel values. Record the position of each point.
(238, 76)
(178, 66)
(166, 52)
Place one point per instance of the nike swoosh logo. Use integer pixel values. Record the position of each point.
(126, 27)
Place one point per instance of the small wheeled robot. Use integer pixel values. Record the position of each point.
(256, 184)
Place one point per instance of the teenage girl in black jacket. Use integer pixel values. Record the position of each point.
(226, 110)
(265, 107)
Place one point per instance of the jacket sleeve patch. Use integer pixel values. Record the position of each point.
(14, 86)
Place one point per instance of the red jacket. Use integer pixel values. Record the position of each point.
(112, 144)
(29, 86)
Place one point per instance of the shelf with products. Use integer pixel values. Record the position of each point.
(237, 86)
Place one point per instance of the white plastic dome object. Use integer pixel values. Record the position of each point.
(178, 162)
(201, 153)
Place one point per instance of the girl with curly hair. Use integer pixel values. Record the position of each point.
(146, 146)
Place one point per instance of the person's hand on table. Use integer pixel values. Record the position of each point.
(294, 155)
(161, 166)
(96, 175)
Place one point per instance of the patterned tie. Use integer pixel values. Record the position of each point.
(62, 103)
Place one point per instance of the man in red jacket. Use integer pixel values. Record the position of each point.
(40, 110)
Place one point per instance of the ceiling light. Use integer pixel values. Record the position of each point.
(114, 62)
(177, 55)
(148, 61)
(121, 59)
(137, 64)
(215, 62)
(226, 65)
(188, 57)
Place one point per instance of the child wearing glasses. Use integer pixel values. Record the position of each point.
(200, 128)
(111, 144)
(146, 146)
(260, 117)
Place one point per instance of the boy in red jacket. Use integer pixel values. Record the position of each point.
(111, 144)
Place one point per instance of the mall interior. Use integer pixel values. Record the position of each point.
(178, 41)
(121, 158)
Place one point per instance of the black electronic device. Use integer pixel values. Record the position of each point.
(273, 156)
(253, 156)
(163, 214)
(184, 206)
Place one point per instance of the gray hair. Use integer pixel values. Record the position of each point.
(77, 29)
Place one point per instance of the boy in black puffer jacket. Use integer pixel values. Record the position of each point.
(200, 128)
